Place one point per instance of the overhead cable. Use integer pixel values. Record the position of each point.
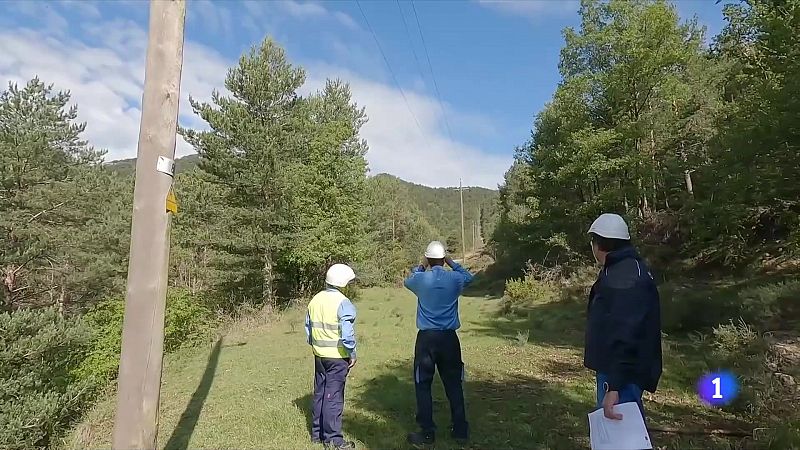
(433, 76)
(389, 66)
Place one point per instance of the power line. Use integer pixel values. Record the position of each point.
(410, 41)
(386, 60)
(430, 66)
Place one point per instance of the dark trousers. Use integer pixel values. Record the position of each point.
(439, 350)
(330, 375)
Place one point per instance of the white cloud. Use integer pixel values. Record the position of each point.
(43, 11)
(299, 10)
(82, 7)
(532, 9)
(397, 145)
(106, 81)
(216, 17)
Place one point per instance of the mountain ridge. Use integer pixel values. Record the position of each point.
(188, 162)
(441, 206)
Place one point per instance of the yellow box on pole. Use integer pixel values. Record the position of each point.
(172, 202)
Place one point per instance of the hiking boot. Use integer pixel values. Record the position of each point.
(461, 438)
(421, 438)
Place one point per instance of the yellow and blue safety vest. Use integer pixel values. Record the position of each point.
(329, 325)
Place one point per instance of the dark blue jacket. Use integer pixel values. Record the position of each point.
(623, 327)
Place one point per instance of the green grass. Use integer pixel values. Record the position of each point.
(526, 386)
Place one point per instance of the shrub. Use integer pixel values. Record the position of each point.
(772, 305)
(40, 392)
(766, 307)
(352, 292)
(524, 292)
(105, 321)
(188, 320)
(686, 308)
(738, 346)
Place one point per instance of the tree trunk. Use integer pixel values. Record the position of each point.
(625, 203)
(655, 192)
(643, 206)
(62, 299)
(268, 293)
(9, 288)
(687, 175)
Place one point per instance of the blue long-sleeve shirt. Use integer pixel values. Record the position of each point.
(347, 317)
(437, 292)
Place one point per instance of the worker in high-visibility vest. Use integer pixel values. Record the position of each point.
(329, 330)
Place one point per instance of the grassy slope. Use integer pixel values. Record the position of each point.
(253, 389)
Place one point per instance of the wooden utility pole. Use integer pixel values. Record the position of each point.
(136, 421)
(473, 237)
(478, 227)
(463, 241)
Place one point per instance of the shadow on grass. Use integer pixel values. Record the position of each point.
(556, 323)
(485, 285)
(304, 404)
(179, 440)
(505, 411)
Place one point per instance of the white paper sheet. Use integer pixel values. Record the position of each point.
(630, 433)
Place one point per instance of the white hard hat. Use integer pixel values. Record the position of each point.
(339, 275)
(435, 250)
(610, 226)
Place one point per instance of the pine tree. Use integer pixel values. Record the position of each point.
(63, 228)
(292, 173)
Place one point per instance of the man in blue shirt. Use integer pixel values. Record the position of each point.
(437, 345)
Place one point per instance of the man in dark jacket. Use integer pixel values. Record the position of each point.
(623, 329)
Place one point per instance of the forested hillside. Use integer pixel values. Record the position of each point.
(696, 145)
(441, 207)
(438, 207)
(128, 166)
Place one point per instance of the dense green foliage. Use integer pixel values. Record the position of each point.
(187, 321)
(434, 213)
(40, 393)
(291, 173)
(696, 146)
(442, 208)
(395, 222)
(64, 221)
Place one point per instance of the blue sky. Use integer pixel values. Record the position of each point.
(495, 64)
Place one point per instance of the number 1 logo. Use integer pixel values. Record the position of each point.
(717, 387)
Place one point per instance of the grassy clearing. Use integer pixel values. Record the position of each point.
(526, 387)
